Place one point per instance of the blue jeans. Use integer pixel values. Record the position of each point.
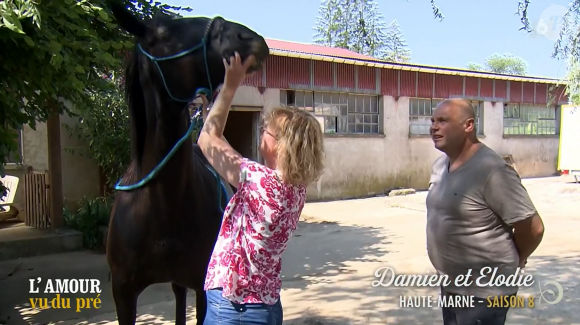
(221, 311)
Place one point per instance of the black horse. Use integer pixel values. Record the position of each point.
(166, 218)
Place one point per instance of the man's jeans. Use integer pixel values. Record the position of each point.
(480, 314)
(221, 311)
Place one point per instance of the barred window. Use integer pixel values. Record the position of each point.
(529, 119)
(341, 113)
(421, 109)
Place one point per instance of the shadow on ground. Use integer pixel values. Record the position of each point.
(322, 248)
(318, 249)
(313, 317)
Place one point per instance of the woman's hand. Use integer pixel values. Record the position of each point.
(236, 71)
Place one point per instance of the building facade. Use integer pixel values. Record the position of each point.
(375, 116)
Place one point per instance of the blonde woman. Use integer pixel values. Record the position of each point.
(243, 278)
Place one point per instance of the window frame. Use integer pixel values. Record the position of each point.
(419, 113)
(342, 113)
(533, 120)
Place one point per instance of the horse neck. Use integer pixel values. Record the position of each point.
(166, 125)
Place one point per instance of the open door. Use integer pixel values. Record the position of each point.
(242, 130)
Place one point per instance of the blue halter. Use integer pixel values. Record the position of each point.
(194, 122)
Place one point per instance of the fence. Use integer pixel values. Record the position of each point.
(37, 199)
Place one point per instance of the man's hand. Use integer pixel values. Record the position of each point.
(528, 234)
(523, 263)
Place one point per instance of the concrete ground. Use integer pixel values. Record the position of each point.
(329, 267)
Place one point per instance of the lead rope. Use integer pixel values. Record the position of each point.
(194, 123)
(197, 118)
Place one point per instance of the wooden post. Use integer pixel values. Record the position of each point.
(55, 169)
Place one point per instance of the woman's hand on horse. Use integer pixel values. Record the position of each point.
(236, 70)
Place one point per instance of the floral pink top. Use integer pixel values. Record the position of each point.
(258, 222)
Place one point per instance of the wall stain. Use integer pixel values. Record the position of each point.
(543, 153)
(359, 186)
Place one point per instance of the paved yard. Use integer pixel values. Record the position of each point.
(330, 265)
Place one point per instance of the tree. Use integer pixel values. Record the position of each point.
(355, 25)
(345, 14)
(506, 64)
(395, 44)
(327, 23)
(475, 67)
(104, 130)
(566, 47)
(55, 50)
(369, 29)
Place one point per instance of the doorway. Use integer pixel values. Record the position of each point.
(242, 131)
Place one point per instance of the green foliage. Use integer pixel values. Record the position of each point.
(355, 25)
(89, 219)
(436, 12)
(396, 49)
(104, 131)
(573, 78)
(506, 64)
(55, 50)
(566, 47)
(197, 128)
(475, 67)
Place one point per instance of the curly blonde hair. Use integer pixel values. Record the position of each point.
(300, 145)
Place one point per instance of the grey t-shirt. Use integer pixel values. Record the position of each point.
(469, 216)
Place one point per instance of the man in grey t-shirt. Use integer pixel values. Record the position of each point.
(478, 214)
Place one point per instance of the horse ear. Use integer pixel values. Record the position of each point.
(217, 26)
(127, 20)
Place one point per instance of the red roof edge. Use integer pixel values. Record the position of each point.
(315, 49)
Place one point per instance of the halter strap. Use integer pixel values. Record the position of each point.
(199, 91)
(194, 123)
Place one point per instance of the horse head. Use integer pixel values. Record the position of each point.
(174, 60)
(188, 52)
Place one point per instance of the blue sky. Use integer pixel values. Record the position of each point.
(471, 31)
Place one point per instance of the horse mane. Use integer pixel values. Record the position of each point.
(137, 116)
(136, 104)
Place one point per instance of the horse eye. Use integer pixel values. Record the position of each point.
(244, 37)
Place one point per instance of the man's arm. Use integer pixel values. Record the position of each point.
(528, 235)
(509, 200)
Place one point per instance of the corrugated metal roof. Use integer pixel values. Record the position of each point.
(315, 49)
(338, 55)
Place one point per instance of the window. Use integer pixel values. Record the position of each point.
(421, 109)
(339, 112)
(16, 157)
(478, 107)
(529, 119)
